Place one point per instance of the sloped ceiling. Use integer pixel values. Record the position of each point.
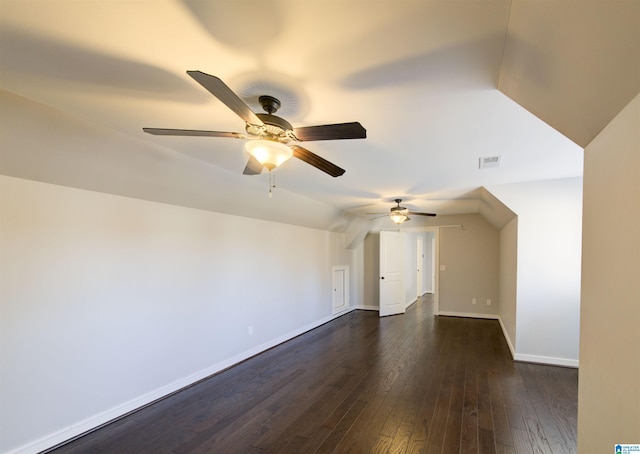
(575, 64)
(437, 85)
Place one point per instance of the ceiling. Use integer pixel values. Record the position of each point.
(437, 85)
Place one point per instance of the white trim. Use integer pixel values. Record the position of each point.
(507, 338)
(367, 307)
(419, 265)
(114, 413)
(333, 317)
(407, 305)
(435, 229)
(345, 287)
(565, 362)
(469, 315)
(436, 270)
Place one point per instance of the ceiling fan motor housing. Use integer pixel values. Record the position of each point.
(274, 128)
(269, 103)
(398, 209)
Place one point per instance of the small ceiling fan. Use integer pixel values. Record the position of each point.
(271, 139)
(399, 214)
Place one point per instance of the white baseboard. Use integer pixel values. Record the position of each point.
(551, 361)
(468, 315)
(105, 417)
(564, 362)
(507, 338)
(368, 307)
(485, 316)
(96, 421)
(407, 305)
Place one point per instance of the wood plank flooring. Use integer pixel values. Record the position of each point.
(412, 383)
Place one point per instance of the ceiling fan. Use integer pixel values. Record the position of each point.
(399, 214)
(271, 139)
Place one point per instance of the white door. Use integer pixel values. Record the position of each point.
(419, 262)
(340, 288)
(433, 266)
(391, 288)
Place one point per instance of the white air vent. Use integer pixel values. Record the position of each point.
(488, 162)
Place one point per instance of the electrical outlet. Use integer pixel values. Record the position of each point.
(488, 302)
(473, 301)
(250, 331)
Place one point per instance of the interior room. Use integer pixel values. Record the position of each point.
(483, 152)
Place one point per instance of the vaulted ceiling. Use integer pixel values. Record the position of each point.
(437, 84)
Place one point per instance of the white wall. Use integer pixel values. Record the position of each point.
(548, 268)
(429, 253)
(357, 275)
(411, 263)
(410, 268)
(609, 389)
(509, 281)
(108, 302)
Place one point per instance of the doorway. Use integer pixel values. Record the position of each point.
(408, 260)
(419, 266)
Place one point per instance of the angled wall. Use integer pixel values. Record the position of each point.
(609, 389)
(508, 290)
(107, 302)
(547, 312)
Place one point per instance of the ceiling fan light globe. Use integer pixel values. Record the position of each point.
(398, 218)
(269, 153)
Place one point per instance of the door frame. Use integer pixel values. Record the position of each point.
(436, 258)
(343, 271)
(419, 266)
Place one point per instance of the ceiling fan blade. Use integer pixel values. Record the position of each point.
(336, 131)
(192, 132)
(253, 167)
(422, 214)
(316, 161)
(221, 91)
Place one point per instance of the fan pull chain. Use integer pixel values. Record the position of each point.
(272, 184)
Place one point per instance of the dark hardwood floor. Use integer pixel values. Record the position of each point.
(410, 383)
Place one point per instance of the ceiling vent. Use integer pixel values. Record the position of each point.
(489, 162)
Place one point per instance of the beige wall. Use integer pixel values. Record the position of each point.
(371, 254)
(609, 390)
(471, 257)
